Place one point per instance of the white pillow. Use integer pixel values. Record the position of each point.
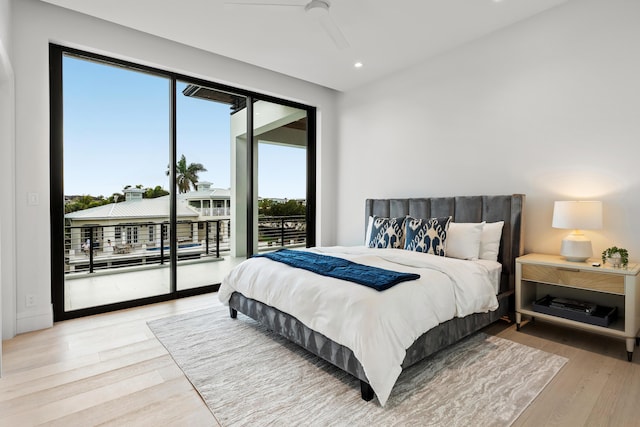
(490, 242)
(463, 240)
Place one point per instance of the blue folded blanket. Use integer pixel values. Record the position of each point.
(339, 268)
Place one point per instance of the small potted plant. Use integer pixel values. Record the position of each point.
(615, 256)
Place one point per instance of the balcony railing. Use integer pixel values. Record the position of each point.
(95, 247)
(213, 211)
(90, 248)
(281, 231)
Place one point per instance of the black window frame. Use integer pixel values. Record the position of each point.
(56, 54)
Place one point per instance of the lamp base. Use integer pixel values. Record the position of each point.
(576, 248)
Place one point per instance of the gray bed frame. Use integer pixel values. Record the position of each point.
(507, 208)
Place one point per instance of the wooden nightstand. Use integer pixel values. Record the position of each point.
(538, 275)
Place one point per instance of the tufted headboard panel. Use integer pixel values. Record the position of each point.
(509, 208)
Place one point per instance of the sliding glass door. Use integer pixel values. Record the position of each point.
(204, 117)
(116, 152)
(162, 183)
(280, 147)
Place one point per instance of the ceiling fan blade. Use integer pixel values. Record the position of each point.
(334, 31)
(292, 3)
(315, 8)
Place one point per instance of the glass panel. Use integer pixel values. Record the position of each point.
(280, 136)
(203, 183)
(116, 151)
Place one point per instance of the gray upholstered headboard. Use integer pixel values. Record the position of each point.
(508, 208)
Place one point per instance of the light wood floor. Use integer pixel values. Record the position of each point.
(106, 369)
(110, 370)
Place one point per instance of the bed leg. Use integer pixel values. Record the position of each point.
(233, 313)
(366, 391)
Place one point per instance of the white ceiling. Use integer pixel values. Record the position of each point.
(385, 36)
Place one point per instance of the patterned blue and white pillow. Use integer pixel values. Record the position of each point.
(386, 233)
(427, 235)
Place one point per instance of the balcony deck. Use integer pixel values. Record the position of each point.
(84, 289)
(140, 268)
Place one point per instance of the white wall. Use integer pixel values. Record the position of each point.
(35, 25)
(7, 216)
(548, 107)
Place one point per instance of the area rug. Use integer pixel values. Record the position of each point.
(248, 375)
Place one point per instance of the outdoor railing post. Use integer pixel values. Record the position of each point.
(282, 232)
(90, 249)
(161, 243)
(206, 237)
(217, 239)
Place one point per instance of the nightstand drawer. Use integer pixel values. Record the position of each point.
(611, 283)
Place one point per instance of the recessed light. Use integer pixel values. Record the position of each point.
(358, 64)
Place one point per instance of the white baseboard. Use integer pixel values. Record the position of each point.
(34, 320)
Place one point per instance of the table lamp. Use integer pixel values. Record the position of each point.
(577, 216)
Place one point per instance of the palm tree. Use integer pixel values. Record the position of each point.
(187, 175)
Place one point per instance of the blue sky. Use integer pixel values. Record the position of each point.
(116, 133)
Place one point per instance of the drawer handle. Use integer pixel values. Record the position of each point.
(573, 270)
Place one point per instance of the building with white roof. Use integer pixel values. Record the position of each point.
(140, 222)
(210, 203)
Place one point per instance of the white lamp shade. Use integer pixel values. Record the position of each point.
(577, 215)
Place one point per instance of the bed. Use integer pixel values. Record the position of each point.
(355, 357)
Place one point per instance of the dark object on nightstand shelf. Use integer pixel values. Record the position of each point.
(575, 310)
(573, 305)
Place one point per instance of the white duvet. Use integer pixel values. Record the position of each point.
(378, 327)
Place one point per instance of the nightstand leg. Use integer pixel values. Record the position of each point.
(518, 320)
(630, 343)
(637, 341)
